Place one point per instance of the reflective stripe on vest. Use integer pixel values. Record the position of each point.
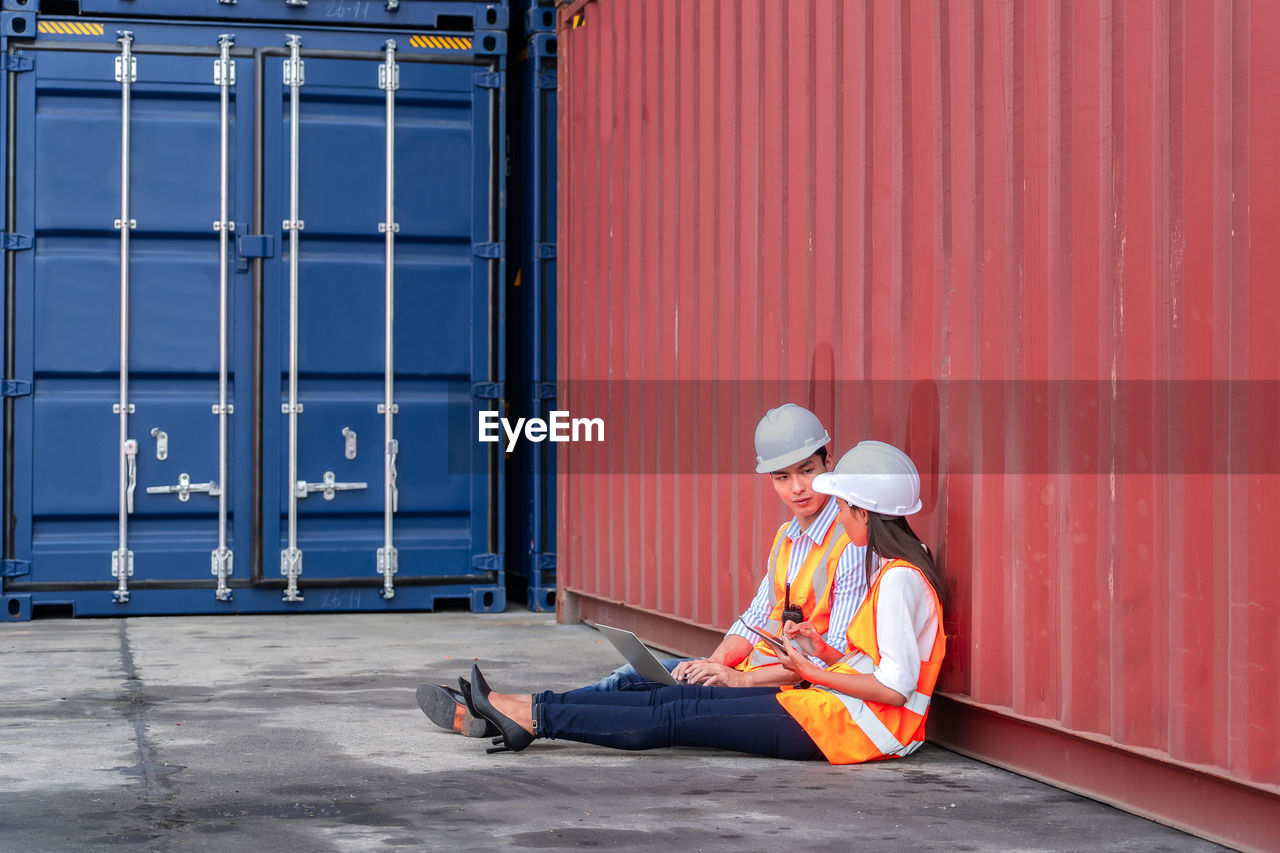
(815, 577)
(850, 730)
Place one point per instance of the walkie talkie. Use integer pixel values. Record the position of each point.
(789, 611)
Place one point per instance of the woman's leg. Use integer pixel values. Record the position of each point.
(741, 719)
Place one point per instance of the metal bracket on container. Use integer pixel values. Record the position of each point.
(291, 225)
(547, 251)
(16, 388)
(17, 62)
(489, 79)
(393, 450)
(224, 69)
(395, 408)
(487, 390)
(15, 242)
(487, 562)
(256, 245)
(295, 4)
(229, 225)
(222, 560)
(185, 487)
(133, 69)
(115, 408)
(131, 457)
(162, 444)
(545, 391)
(349, 448)
(389, 79)
(295, 74)
(291, 568)
(491, 251)
(15, 568)
(229, 408)
(115, 564)
(284, 408)
(387, 562)
(395, 228)
(133, 224)
(329, 486)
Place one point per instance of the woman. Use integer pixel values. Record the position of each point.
(868, 704)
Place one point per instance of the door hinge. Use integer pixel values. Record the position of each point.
(545, 391)
(547, 251)
(488, 250)
(15, 388)
(487, 390)
(487, 562)
(15, 242)
(545, 561)
(547, 80)
(18, 62)
(490, 79)
(15, 568)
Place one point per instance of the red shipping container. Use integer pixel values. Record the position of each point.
(1032, 243)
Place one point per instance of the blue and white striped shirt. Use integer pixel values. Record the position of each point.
(848, 590)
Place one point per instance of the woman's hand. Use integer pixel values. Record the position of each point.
(795, 662)
(804, 637)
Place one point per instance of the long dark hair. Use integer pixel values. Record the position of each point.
(891, 537)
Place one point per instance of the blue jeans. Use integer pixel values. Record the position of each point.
(742, 719)
(625, 677)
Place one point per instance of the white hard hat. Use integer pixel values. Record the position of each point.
(875, 476)
(786, 435)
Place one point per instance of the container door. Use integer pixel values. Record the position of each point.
(445, 328)
(88, 124)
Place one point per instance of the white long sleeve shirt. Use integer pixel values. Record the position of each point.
(906, 623)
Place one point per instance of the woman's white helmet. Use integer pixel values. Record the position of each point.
(875, 476)
(786, 435)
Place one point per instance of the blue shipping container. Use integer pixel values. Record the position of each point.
(118, 512)
(532, 300)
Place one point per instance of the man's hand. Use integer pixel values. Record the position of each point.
(711, 674)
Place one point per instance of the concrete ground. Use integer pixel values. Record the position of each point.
(287, 733)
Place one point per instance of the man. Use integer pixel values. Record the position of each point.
(814, 575)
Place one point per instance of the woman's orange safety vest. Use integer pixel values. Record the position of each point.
(810, 591)
(849, 730)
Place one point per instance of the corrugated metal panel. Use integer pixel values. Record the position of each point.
(1028, 241)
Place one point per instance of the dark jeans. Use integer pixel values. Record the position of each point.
(743, 719)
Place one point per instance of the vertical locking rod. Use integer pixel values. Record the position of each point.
(224, 77)
(122, 558)
(389, 79)
(291, 557)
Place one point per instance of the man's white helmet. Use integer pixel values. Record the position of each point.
(786, 435)
(875, 476)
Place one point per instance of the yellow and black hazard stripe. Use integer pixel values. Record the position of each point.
(441, 42)
(577, 21)
(70, 28)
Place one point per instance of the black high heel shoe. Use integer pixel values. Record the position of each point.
(513, 736)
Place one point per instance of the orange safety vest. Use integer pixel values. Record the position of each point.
(849, 730)
(810, 591)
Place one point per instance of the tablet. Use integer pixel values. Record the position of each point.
(773, 641)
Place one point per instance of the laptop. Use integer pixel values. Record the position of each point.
(637, 654)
